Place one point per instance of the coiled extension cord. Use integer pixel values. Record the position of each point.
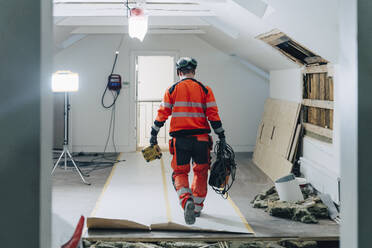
(223, 170)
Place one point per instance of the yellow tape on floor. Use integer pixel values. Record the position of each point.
(237, 210)
(103, 191)
(165, 187)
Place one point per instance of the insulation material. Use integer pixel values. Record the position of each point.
(140, 195)
(275, 137)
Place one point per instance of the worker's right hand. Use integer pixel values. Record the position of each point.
(221, 137)
(153, 140)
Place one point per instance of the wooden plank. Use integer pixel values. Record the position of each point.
(315, 59)
(316, 86)
(331, 119)
(293, 128)
(327, 89)
(318, 130)
(327, 118)
(318, 103)
(319, 69)
(322, 88)
(331, 93)
(322, 121)
(313, 86)
(295, 143)
(270, 36)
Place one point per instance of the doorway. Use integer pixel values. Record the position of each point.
(154, 74)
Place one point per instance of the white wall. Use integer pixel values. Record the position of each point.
(286, 84)
(320, 163)
(239, 92)
(351, 193)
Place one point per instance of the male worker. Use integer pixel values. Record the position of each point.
(191, 104)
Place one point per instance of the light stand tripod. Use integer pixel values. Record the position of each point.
(66, 153)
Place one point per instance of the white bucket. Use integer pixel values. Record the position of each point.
(288, 189)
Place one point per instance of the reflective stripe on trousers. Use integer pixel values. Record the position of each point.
(183, 191)
(198, 200)
(198, 208)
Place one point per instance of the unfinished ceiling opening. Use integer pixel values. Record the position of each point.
(291, 49)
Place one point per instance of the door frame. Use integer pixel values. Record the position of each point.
(133, 78)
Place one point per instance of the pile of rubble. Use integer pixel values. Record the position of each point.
(307, 211)
(238, 244)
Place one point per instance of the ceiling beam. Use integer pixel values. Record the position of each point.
(149, 1)
(222, 26)
(264, 74)
(121, 21)
(62, 10)
(123, 30)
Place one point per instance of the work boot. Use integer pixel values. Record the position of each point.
(189, 213)
(197, 214)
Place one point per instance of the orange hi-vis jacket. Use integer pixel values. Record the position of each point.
(191, 105)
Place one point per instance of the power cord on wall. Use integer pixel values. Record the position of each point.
(111, 128)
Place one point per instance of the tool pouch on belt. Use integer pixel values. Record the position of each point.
(171, 146)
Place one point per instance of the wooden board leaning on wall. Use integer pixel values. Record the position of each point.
(276, 138)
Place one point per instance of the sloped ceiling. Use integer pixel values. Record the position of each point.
(229, 25)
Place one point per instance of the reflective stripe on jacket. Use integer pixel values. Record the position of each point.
(191, 105)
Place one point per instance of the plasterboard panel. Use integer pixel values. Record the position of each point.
(275, 137)
(271, 163)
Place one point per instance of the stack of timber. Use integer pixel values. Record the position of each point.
(277, 138)
(318, 102)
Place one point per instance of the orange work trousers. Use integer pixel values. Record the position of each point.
(184, 149)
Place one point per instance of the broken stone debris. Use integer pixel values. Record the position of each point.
(307, 211)
(187, 245)
(236, 244)
(102, 244)
(298, 244)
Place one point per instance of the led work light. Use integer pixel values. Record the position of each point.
(65, 81)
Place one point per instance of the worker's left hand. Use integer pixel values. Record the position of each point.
(153, 140)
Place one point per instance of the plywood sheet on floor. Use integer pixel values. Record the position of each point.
(140, 195)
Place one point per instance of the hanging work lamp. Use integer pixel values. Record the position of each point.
(138, 21)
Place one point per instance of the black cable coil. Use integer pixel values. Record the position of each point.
(223, 170)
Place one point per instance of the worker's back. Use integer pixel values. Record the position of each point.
(190, 103)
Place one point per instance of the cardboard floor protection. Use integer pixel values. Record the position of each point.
(140, 195)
